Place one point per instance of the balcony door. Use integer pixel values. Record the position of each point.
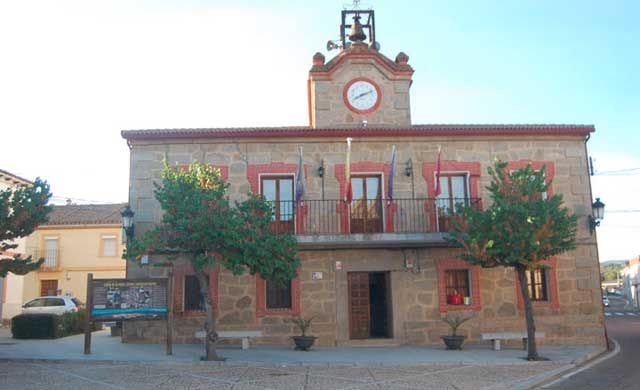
(453, 191)
(279, 191)
(366, 206)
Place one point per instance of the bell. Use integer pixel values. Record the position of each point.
(357, 35)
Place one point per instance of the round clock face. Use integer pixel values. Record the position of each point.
(362, 96)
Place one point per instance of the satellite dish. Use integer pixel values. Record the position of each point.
(375, 45)
(331, 45)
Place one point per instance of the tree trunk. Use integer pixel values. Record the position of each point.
(532, 350)
(211, 336)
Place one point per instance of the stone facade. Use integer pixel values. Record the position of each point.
(575, 317)
(414, 261)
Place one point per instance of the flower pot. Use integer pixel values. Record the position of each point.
(454, 342)
(303, 343)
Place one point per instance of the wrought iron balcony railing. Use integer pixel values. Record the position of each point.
(51, 258)
(336, 217)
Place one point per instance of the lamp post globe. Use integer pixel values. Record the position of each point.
(598, 209)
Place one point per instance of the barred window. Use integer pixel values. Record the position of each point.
(278, 296)
(457, 280)
(537, 284)
(193, 299)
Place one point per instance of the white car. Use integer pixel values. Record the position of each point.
(51, 305)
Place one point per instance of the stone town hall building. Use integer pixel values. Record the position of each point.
(374, 271)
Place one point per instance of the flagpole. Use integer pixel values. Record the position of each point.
(392, 172)
(347, 169)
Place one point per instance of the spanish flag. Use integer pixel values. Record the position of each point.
(347, 173)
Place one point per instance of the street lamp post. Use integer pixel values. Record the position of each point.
(127, 222)
(597, 209)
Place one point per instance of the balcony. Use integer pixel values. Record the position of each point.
(368, 223)
(51, 258)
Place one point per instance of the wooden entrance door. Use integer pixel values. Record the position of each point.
(48, 287)
(359, 307)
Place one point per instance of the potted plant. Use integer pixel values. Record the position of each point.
(454, 341)
(303, 342)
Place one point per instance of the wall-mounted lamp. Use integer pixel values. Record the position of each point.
(408, 170)
(321, 169)
(127, 222)
(597, 209)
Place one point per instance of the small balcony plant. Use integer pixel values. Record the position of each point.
(303, 342)
(454, 341)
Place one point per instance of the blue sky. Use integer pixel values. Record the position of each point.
(74, 73)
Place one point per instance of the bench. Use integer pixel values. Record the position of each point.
(115, 327)
(244, 335)
(497, 336)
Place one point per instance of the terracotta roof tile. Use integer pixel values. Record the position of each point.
(86, 214)
(371, 131)
(14, 179)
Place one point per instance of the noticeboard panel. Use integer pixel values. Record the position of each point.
(129, 299)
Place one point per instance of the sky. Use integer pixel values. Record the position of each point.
(73, 74)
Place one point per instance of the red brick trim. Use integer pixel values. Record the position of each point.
(345, 97)
(554, 300)
(360, 132)
(179, 272)
(333, 65)
(429, 170)
(364, 167)
(255, 170)
(550, 171)
(261, 300)
(451, 264)
(448, 166)
(253, 176)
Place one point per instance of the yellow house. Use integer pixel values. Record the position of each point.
(77, 240)
(10, 297)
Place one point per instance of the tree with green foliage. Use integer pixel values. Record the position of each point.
(611, 272)
(201, 224)
(519, 229)
(22, 209)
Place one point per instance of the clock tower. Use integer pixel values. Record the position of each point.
(359, 86)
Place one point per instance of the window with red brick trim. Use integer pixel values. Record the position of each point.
(279, 191)
(278, 296)
(357, 170)
(538, 286)
(464, 278)
(270, 302)
(545, 291)
(456, 281)
(183, 276)
(256, 171)
(193, 299)
(458, 183)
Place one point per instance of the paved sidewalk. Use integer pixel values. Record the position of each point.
(60, 364)
(169, 376)
(107, 348)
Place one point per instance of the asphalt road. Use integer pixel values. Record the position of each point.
(621, 371)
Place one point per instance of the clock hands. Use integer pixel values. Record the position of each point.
(363, 94)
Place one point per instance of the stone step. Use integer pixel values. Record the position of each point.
(370, 343)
